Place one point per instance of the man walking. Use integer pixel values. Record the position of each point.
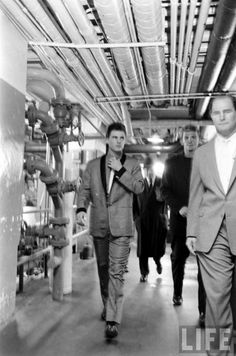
(108, 184)
(175, 191)
(211, 225)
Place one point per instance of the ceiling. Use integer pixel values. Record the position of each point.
(150, 63)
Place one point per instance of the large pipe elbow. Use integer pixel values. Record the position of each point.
(47, 76)
(33, 164)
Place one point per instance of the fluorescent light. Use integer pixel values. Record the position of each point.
(155, 139)
(158, 168)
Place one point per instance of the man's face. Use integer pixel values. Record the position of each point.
(190, 142)
(223, 115)
(116, 141)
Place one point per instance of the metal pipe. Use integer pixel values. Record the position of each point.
(173, 31)
(131, 27)
(112, 15)
(165, 148)
(50, 58)
(40, 89)
(228, 73)
(181, 43)
(98, 45)
(187, 43)
(128, 98)
(220, 40)
(72, 59)
(149, 26)
(203, 14)
(89, 35)
(47, 76)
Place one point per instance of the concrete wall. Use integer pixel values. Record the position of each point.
(13, 66)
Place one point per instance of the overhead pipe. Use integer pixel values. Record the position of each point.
(220, 40)
(47, 76)
(179, 63)
(149, 148)
(149, 25)
(202, 18)
(40, 89)
(92, 74)
(70, 57)
(51, 59)
(133, 35)
(228, 73)
(173, 32)
(111, 13)
(187, 43)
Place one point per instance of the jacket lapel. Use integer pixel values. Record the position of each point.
(213, 165)
(103, 172)
(233, 175)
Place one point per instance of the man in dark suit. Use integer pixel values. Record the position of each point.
(109, 183)
(175, 191)
(211, 225)
(149, 215)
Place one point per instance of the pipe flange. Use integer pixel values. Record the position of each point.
(49, 180)
(61, 102)
(60, 243)
(59, 221)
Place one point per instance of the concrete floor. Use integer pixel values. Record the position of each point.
(151, 324)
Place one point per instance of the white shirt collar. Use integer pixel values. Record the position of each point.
(222, 139)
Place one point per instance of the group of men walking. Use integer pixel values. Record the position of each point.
(199, 187)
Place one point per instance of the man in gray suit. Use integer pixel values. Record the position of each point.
(211, 221)
(109, 183)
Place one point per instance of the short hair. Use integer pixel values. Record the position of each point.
(118, 126)
(221, 96)
(189, 128)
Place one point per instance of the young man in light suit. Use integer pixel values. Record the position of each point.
(211, 221)
(108, 184)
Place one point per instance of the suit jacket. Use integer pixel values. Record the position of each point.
(175, 191)
(150, 222)
(208, 204)
(110, 212)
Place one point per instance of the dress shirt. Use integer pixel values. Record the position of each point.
(225, 150)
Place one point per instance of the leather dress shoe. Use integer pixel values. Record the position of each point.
(143, 278)
(111, 330)
(159, 268)
(177, 300)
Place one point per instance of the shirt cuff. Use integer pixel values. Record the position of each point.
(120, 172)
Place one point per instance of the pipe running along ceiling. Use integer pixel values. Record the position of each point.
(148, 61)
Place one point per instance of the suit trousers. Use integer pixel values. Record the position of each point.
(143, 264)
(179, 255)
(217, 267)
(112, 255)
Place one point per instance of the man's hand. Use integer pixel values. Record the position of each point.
(191, 244)
(183, 211)
(82, 218)
(114, 164)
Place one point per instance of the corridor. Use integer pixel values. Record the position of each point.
(150, 327)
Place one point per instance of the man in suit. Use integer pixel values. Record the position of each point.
(211, 225)
(109, 183)
(149, 214)
(175, 191)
